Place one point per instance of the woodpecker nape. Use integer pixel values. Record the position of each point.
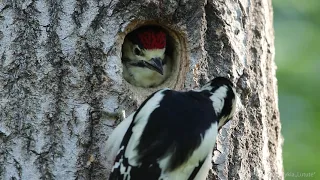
(144, 58)
(172, 134)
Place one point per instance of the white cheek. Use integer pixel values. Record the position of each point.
(217, 99)
(140, 58)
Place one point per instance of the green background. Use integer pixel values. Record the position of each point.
(297, 43)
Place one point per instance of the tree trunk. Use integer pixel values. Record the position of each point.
(60, 69)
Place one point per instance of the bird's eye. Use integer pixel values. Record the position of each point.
(137, 51)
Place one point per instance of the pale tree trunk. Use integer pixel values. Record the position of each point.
(60, 70)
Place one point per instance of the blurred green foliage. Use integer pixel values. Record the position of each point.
(297, 42)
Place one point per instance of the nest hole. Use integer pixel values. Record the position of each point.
(136, 57)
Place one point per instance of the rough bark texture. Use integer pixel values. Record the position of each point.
(60, 69)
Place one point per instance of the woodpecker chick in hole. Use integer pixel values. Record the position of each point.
(172, 134)
(144, 57)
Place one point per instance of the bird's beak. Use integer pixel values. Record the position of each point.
(155, 64)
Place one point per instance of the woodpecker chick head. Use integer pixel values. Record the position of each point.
(144, 58)
(223, 97)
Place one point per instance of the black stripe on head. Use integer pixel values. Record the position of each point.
(139, 64)
(220, 81)
(228, 103)
(228, 100)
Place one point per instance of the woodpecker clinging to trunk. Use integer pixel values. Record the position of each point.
(143, 56)
(172, 134)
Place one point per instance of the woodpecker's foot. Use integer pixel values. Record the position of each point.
(216, 164)
(216, 149)
(117, 116)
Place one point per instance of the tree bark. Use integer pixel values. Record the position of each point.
(60, 69)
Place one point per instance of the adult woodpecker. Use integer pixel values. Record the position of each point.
(172, 134)
(143, 56)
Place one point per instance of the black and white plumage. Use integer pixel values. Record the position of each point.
(172, 134)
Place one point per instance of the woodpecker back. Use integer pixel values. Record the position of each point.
(172, 134)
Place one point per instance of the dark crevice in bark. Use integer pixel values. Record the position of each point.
(92, 118)
(176, 15)
(96, 169)
(102, 14)
(19, 77)
(90, 168)
(44, 162)
(234, 158)
(123, 6)
(217, 45)
(80, 8)
(18, 167)
(7, 6)
(53, 122)
(244, 13)
(84, 171)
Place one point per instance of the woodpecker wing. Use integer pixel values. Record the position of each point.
(114, 140)
(171, 136)
(201, 172)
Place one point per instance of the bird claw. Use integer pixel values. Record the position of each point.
(216, 149)
(117, 116)
(215, 164)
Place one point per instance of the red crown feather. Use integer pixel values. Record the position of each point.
(153, 39)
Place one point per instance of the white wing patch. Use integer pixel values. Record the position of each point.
(140, 121)
(203, 151)
(204, 170)
(217, 98)
(114, 140)
(117, 164)
(125, 171)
